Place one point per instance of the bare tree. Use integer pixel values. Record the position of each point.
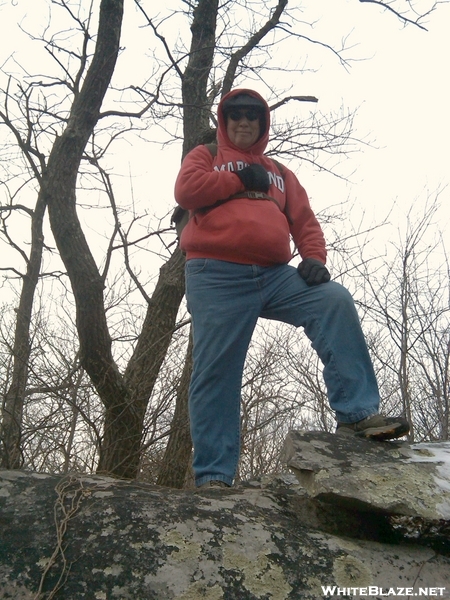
(61, 419)
(10, 430)
(406, 301)
(53, 137)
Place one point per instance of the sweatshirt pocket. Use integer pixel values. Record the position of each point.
(256, 230)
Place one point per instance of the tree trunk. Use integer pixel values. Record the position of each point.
(12, 411)
(197, 105)
(179, 447)
(58, 189)
(196, 113)
(142, 372)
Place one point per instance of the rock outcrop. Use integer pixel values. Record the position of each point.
(408, 486)
(329, 528)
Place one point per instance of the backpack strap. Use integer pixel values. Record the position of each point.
(180, 218)
(212, 149)
(281, 167)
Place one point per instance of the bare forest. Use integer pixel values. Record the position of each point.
(94, 332)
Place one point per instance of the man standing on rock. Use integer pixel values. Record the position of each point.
(244, 210)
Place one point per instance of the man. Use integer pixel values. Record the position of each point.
(244, 209)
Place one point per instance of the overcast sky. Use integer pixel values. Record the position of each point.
(397, 83)
(403, 97)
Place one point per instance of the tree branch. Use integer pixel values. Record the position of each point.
(297, 98)
(388, 6)
(253, 41)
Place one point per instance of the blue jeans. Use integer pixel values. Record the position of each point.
(225, 301)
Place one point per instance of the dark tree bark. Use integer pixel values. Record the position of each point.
(197, 105)
(58, 191)
(143, 367)
(12, 410)
(178, 452)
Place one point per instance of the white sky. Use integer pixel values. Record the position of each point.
(398, 85)
(403, 97)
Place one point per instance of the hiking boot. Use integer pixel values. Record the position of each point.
(376, 427)
(213, 484)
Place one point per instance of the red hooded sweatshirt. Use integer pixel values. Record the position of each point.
(244, 230)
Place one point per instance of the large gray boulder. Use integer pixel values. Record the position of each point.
(395, 477)
(92, 537)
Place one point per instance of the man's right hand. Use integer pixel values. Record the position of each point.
(255, 178)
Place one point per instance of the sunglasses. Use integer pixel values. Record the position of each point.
(250, 114)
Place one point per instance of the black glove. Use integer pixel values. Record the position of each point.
(255, 178)
(313, 271)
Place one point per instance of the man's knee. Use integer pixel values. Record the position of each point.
(337, 293)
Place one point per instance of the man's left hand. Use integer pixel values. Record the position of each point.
(313, 271)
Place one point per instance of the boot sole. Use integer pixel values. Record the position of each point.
(388, 432)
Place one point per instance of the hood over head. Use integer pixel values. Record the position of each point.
(240, 98)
